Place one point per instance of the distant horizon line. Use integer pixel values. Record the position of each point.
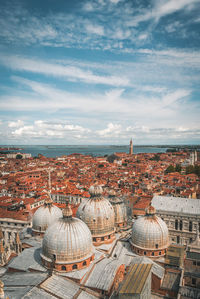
(117, 145)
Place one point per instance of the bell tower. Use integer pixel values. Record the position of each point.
(131, 147)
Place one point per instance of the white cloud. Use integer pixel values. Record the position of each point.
(114, 94)
(14, 124)
(111, 130)
(69, 72)
(43, 129)
(25, 130)
(171, 98)
(161, 9)
(95, 29)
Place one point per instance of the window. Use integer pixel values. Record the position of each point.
(102, 238)
(194, 263)
(176, 224)
(152, 254)
(159, 252)
(178, 239)
(194, 281)
(181, 224)
(74, 266)
(94, 239)
(63, 268)
(54, 257)
(190, 226)
(190, 240)
(145, 253)
(156, 245)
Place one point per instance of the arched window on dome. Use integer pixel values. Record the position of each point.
(63, 268)
(74, 266)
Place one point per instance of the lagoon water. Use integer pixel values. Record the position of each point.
(95, 150)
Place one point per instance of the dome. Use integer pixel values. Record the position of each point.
(67, 242)
(44, 216)
(150, 233)
(98, 214)
(119, 209)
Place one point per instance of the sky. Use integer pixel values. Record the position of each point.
(99, 72)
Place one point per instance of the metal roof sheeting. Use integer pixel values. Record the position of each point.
(60, 287)
(103, 274)
(135, 279)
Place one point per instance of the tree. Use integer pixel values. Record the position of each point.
(112, 158)
(178, 168)
(170, 169)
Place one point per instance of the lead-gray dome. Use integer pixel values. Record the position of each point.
(97, 212)
(119, 208)
(150, 232)
(45, 216)
(68, 240)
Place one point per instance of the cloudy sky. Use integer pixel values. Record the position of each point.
(99, 71)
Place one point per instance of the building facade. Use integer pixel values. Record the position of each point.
(182, 216)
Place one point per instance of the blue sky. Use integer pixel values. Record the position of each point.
(99, 72)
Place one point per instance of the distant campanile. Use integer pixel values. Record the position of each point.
(131, 147)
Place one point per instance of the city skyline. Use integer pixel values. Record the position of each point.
(99, 72)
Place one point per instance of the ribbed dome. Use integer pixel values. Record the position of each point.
(44, 216)
(150, 232)
(97, 213)
(119, 208)
(68, 240)
(120, 213)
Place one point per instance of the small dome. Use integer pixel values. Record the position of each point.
(119, 209)
(45, 216)
(150, 232)
(98, 214)
(67, 241)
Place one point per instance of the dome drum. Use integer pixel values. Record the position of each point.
(66, 267)
(97, 240)
(149, 253)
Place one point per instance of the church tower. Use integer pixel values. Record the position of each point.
(131, 147)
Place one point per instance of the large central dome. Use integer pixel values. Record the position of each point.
(98, 214)
(150, 235)
(67, 244)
